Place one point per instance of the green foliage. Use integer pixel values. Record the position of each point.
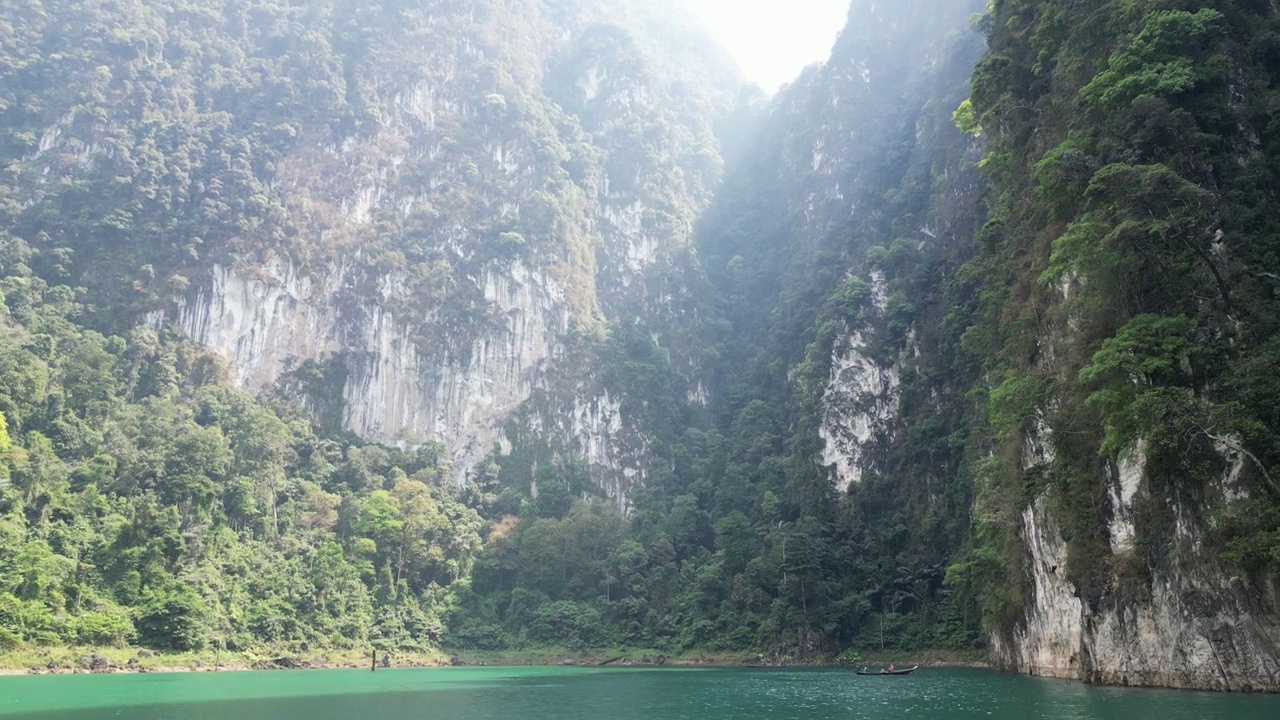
(1120, 298)
(764, 551)
(966, 120)
(150, 503)
(1159, 61)
(1118, 305)
(991, 80)
(1014, 403)
(181, 513)
(1250, 536)
(849, 656)
(1062, 176)
(108, 626)
(1148, 349)
(173, 619)
(1132, 368)
(566, 622)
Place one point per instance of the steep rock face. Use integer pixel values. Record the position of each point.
(597, 424)
(877, 193)
(433, 195)
(859, 403)
(268, 319)
(1193, 629)
(477, 222)
(862, 401)
(1050, 643)
(257, 320)
(586, 422)
(1177, 618)
(1124, 344)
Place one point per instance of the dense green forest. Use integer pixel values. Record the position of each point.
(1045, 272)
(145, 501)
(149, 502)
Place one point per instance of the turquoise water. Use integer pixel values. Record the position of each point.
(602, 694)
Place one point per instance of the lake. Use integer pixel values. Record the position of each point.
(544, 693)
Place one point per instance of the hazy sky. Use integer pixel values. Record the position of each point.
(772, 40)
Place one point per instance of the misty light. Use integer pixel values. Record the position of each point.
(773, 40)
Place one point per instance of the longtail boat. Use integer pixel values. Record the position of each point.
(882, 671)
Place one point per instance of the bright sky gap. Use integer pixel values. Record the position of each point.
(773, 40)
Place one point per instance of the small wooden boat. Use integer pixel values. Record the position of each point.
(907, 671)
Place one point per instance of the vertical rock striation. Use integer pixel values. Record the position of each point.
(1194, 626)
(445, 249)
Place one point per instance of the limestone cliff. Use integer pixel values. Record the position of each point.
(1128, 493)
(1173, 615)
(878, 189)
(432, 195)
(1194, 625)
(269, 319)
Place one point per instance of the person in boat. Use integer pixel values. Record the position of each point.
(884, 671)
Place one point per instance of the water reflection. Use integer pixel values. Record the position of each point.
(613, 694)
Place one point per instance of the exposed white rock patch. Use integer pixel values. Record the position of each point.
(593, 427)
(879, 291)
(1050, 639)
(1229, 449)
(154, 319)
(1192, 627)
(1196, 631)
(698, 395)
(627, 219)
(595, 422)
(1129, 477)
(49, 139)
(470, 403)
(418, 102)
(508, 158)
(859, 402)
(60, 137)
(272, 318)
(358, 210)
(385, 384)
(627, 224)
(590, 82)
(598, 428)
(1037, 446)
(261, 319)
(642, 252)
(401, 215)
(505, 445)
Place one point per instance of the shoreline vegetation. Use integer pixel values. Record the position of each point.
(93, 660)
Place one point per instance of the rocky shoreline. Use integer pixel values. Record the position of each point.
(108, 661)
